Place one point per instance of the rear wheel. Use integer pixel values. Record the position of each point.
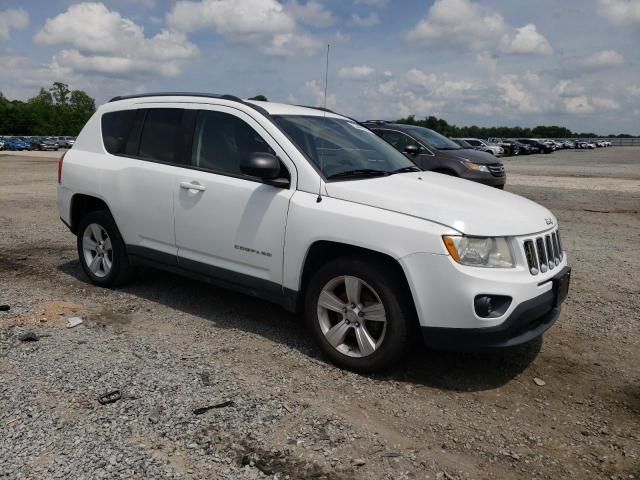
(358, 315)
(101, 250)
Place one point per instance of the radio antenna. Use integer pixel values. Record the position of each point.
(326, 83)
(326, 75)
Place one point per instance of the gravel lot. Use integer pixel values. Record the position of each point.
(172, 345)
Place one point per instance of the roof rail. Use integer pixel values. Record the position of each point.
(177, 94)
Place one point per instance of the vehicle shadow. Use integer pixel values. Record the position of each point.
(453, 371)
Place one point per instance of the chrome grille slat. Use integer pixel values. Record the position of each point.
(550, 255)
(543, 253)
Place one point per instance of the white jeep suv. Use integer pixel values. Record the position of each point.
(311, 210)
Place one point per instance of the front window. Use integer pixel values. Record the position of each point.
(433, 139)
(342, 148)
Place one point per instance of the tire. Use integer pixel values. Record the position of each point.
(98, 238)
(384, 336)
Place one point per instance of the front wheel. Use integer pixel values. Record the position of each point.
(101, 250)
(358, 315)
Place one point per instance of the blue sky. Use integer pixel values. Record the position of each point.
(484, 62)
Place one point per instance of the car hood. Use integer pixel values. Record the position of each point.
(468, 207)
(473, 156)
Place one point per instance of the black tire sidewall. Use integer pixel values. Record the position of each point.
(120, 261)
(396, 338)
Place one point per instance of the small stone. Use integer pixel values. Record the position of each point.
(539, 382)
(358, 462)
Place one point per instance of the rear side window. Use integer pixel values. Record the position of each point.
(116, 127)
(160, 134)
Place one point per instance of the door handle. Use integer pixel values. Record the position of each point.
(192, 186)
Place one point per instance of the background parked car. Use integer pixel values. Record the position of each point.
(1, 144)
(66, 142)
(484, 146)
(42, 143)
(508, 147)
(543, 147)
(431, 151)
(16, 144)
(523, 148)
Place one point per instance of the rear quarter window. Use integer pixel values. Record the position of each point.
(116, 128)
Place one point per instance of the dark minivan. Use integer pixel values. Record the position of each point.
(431, 151)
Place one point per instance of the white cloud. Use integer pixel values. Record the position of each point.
(372, 3)
(567, 88)
(264, 24)
(102, 41)
(364, 22)
(467, 25)
(421, 79)
(526, 41)
(602, 60)
(311, 13)
(293, 43)
(316, 92)
(578, 105)
(12, 18)
(518, 95)
(605, 103)
(356, 72)
(621, 12)
(488, 61)
(460, 23)
(634, 90)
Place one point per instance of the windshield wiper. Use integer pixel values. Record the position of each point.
(412, 168)
(363, 172)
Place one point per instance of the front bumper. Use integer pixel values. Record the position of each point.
(444, 291)
(526, 322)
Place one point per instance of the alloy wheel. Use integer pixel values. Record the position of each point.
(97, 250)
(352, 316)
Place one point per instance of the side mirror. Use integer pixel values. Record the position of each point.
(262, 165)
(411, 149)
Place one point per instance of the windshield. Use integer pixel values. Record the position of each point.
(342, 148)
(433, 139)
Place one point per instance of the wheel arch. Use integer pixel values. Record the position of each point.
(81, 205)
(322, 251)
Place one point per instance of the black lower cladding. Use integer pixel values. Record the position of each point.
(528, 321)
(256, 287)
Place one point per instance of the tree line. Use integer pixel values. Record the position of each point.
(54, 111)
(541, 131)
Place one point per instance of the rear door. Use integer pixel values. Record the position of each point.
(145, 148)
(229, 225)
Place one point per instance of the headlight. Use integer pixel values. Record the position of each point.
(476, 167)
(479, 251)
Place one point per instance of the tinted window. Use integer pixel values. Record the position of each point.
(433, 139)
(400, 141)
(160, 134)
(222, 140)
(116, 127)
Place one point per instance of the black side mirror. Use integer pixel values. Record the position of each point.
(411, 149)
(262, 165)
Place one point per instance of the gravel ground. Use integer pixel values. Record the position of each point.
(172, 345)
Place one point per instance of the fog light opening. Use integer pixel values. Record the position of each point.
(491, 306)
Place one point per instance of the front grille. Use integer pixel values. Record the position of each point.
(543, 253)
(496, 169)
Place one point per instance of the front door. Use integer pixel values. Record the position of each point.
(229, 225)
